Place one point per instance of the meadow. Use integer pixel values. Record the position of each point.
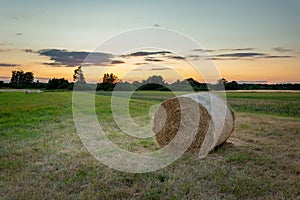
(42, 157)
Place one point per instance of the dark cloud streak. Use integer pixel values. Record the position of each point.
(29, 51)
(227, 49)
(248, 55)
(153, 60)
(8, 65)
(147, 53)
(241, 55)
(75, 58)
(114, 62)
(177, 57)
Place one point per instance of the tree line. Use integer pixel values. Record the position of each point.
(109, 82)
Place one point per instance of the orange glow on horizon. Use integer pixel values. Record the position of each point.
(270, 70)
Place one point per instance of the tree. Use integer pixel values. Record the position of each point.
(222, 81)
(110, 78)
(233, 85)
(78, 75)
(28, 78)
(156, 79)
(57, 83)
(19, 77)
(108, 82)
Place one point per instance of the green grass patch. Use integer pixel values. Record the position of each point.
(41, 155)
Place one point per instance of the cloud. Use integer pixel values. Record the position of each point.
(75, 58)
(227, 49)
(153, 59)
(5, 77)
(248, 55)
(281, 50)
(147, 53)
(241, 55)
(54, 64)
(278, 57)
(29, 51)
(204, 50)
(160, 68)
(19, 34)
(114, 62)
(237, 49)
(177, 57)
(8, 65)
(7, 50)
(145, 63)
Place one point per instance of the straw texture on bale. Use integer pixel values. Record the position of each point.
(214, 124)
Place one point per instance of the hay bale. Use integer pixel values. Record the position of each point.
(213, 126)
(28, 92)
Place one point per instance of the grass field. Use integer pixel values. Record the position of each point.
(42, 157)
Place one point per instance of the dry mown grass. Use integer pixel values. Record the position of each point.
(43, 158)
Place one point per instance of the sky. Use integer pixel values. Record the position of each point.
(246, 41)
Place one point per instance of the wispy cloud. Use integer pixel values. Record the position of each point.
(177, 57)
(8, 65)
(53, 64)
(237, 49)
(75, 58)
(160, 68)
(268, 56)
(144, 63)
(29, 51)
(248, 55)
(224, 50)
(281, 50)
(147, 53)
(203, 50)
(150, 59)
(239, 56)
(114, 62)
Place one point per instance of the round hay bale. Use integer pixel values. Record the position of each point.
(214, 126)
(28, 92)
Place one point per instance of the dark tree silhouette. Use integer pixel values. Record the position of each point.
(57, 83)
(78, 75)
(155, 79)
(21, 77)
(233, 85)
(110, 78)
(222, 81)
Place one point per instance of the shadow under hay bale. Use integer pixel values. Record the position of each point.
(214, 125)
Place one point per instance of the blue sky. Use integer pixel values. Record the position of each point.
(215, 24)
